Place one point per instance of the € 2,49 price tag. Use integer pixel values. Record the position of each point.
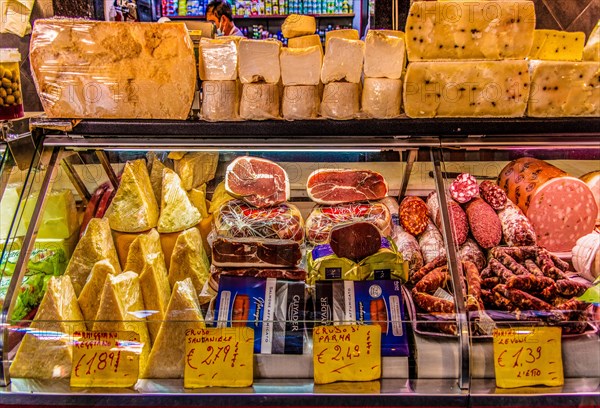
(220, 357)
(105, 359)
(346, 353)
(527, 356)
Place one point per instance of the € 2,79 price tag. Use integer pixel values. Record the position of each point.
(346, 353)
(220, 357)
(105, 359)
(527, 356)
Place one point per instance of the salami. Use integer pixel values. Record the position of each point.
(431, 243)
(501, 302)
(516, 228)
(432, 304)
(430, 266)
(473, 285)
(486, 273)
(485, 224)
(493, 194)
(414, 215)
(432, 281)
(547, 266)
(518, 253)
(522, 300)
(408, 247)
(464, 188)
(355, 240)
(458, 218)
(512, 265)
(500, 270)
(529, 283)
(569, 287)
(470, 251)
(490, 283)
(534, 269)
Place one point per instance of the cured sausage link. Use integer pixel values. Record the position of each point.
(523, 300)
(511, 264)
(432, 304)
(433, 280)
(500, 270)
(428, 267)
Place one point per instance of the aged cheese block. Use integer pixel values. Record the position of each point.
(301, 66)
(259, 101)
(591, 51)
(296, 25)
(555, 45)
(220, 196)
(198, 199)
(468, 88)
(305, 41)
(156, 171)
(177, 212)
(384, 54)
(561, 88)
(189, 260)
(8, 207)
(93, 69)
(168, 241)
(143, 249)
(60, 215)
(259, 61)
(343, 61)
(470, 30)
(381, 97)
(218, 59)
(340, 100)
(196, 168)
(88, 299)
(154, 282)
(220, 100)
(300, 102)
(347, 33)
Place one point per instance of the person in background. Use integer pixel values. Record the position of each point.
(219, 13)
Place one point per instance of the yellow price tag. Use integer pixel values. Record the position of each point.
(219, 357)
(105, 359)
(346, 353)
(527, 356)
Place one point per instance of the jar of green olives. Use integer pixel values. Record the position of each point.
(11, 98)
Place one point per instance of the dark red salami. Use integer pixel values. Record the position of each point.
(471, 272)
(485, 224)
(493, 195)
(523, 300)
(458, 218)
(440, 261)
(338, 186)
(568, 287)
(500, 270)
(414, 215)
(464, 188)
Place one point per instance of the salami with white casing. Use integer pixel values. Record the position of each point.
(516, 228)
(493, 195)
(458, 218)
(431, 243)
(470, 252)
(408, 246)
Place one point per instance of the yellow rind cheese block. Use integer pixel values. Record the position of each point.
(89, 298)
(493, 30)
(301, 66)
(60, 215)
(297, 25)
(562, 88)
(555, 45)
(347, 33)
(259, 61)
(300, 102)
(156, 175)
(189, 260)
(382, 97)
(197, 197)
(384, 54)
(167, 242)
(218, 59)
(259, 101)
(466, 89)
(95, 245)
(49, 356)
(177, 212)
(154, 282)
(305, 41)
(196, 168)
(341, 100)
(220, 196)
(591, 51)
(134, 208)
(343, 61)
(144, 249)
(183, 312)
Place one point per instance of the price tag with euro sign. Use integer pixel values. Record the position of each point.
(220, 357)
(525, 356)
(346, 353)
(105, 359)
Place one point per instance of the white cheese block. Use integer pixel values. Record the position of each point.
(591, 51)
(470, 30)
(259, 61)
(468, 88)
(305, 41)
(340, 100)
(296, 25)
(343, 61)
(301, 66)
(561, 88)
(259, 101)
(220, 100)
(384, 54)
(347, 33)
(218, 59)
(381, 97)
(300, 102)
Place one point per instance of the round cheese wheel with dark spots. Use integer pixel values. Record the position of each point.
(355, 241)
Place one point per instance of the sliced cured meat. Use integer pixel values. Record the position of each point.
(355, 240)
(485, 224)
(339, 186)
(250, 252)
(470, 252)
(414, 215)
(493, 194)
(259, 182)
(464, 188)
(458, 218)
(516, 228)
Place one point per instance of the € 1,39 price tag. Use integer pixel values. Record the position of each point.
(346, 353)
(105, 359)
(527, 356)
(220, 357)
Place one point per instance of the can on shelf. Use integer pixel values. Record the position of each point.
(11, 98)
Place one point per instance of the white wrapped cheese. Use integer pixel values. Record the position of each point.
(467, 88)
(259, 61)
(384, 54)
(340, 100)
(305, 41)
(301, 66)
(381, 97)
(296, 25)
(591, 51)
(259, 101)
(562, 88)
(218, 59)
(220, 100)
(347, 33)
(300, 102)
(343, 61)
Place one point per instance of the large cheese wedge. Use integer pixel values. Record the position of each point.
(220, 100)
(591, 51)
(197, 197)
(156, 174)
(189, 260)
(220, 196)
(341, 100)
(561, 88)
(60, 215)
(196, 168)
(347, 33)
(305, 41)
(297, 25)
(93, 69)
(134, 208)
(259, 61)
(300, 102)
(167, 242)
(259, 101)
(381, 97)
(468, 88)
(122, 309)
(301, 66)
(384, 54)
(144, 249)
(95, 245)
(218, 59)
(555, 45)
(343, 61)
(8, 207)
(592, 179)
(89, 298)
(123, 241)
(154, 282)
(183, 312)
(469, 30)
(46, 351)
(177, 212)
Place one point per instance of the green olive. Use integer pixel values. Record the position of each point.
(10, 99)
(3, 93)
(17, 94)
(6, 83)
(8, 74)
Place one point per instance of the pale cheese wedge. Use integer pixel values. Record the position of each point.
(297, 25)
(220, 197)
(196, 168)
(555, 45)
(591, 51)
(177, 212)
(189, 260)
(89, 298)
(384, 54)
(198, 199)
(144, 249)
(156, 175)
(301, 66)
(154, 282)
(347, 33)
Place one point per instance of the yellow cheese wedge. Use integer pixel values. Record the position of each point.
(205, 227)
(60, 215)
(123, 241)
(154, 281)
(183, 312)
(156, 175)
(220, 196)
(189, 260)
(305, 41)
(347, 33)
(144, 249)
(297, 25)
(49, 356)
(198, 199)
(89, 299)
(555, 45)
(196, 168)
(591, 51)
(177, 212)
(8, 206)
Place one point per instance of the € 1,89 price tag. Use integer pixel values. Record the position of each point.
(220, 357)
(346, 353)
(527, 356)
(105, 359)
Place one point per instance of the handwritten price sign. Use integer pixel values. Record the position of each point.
(219, 357)
(527, 356)
(346, 353)
(105, 359)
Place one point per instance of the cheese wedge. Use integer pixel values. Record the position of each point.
(144, 249)
(123, 241)
(591, 51)
(177, 212)
(346, 33)
(167, 242)
(259, 61)
(95, 245)
(384, 54)
(220, 196)
(60, 215)
(297, 25)
(183, 312)
(196, 168)
(343, 61)
(189, 260)
(89, 299)
(468, 88)
(305, 41)
(301, 66)
(381, 97)
(154, 282)
(8, 206)
(134, 208)
(46, 351)
(197, 197)
(341, 100)
(218, 59)
(555, 45)
(220, 100)
(156, 174)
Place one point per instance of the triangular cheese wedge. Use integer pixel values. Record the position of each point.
(46, 351)
(220, 196)
(198, 199)
(144, 249)
(196, 168)
(154, 281)
(177, 212)
(89, 298)
(134, 208)
(156, 175)
(189, 260)
(95, 245)
(167, 356)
